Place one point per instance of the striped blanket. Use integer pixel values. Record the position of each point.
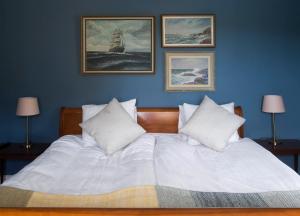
(150, 197)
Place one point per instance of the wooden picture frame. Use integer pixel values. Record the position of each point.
(190, 71)
(191, 31)
(117, 45)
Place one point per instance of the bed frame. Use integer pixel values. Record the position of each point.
(163, 120)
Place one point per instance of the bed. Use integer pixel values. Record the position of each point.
(155, 120)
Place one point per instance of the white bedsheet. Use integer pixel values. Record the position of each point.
(67, 167)
(243, 167)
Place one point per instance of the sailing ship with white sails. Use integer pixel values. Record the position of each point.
(117, 44)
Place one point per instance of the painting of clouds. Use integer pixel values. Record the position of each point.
(188, 31)
(190, 71)
(117, 45)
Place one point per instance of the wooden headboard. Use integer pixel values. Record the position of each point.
(153, 120)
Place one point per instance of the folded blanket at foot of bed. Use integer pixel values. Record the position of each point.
(150, 197)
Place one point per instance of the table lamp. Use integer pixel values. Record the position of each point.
(273, 104)
(27, 106)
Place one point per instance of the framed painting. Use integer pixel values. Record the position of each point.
(119, 45)
(190, 71)
(188, 30)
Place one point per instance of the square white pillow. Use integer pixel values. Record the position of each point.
(189, 109)
(212, 125)
(88, 111)
(112, 128)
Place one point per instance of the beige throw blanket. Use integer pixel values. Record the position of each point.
(135, 197)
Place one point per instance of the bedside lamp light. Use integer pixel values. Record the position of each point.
(273, 104)
(27, 106)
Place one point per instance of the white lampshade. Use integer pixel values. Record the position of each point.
(27, 106)
(273, 104)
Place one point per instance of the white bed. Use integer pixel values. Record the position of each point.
(68, 167)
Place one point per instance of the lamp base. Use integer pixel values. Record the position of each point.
(27, 146)
(274, 143)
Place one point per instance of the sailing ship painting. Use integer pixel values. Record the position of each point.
(117, 45)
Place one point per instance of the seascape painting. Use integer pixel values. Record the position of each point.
(190, 71)
(117, 45)
(188, 31)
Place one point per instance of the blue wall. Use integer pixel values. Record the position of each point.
(257, 53)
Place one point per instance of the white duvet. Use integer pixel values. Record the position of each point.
(243, 167)
(67, 167)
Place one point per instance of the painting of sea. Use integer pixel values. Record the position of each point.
(188, 31)
(117, 45)
(190, 71)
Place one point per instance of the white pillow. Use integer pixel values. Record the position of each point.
(112, 128)
(88, 111)
(189, 109)
(212, 125)
(181, 120)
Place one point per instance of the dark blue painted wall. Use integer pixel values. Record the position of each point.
(257, 53)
